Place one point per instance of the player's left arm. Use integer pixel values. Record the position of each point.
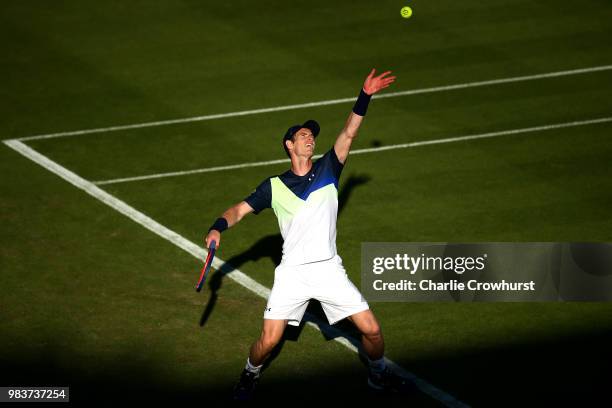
(371, 85)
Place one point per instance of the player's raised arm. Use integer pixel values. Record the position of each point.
(230, 217)
(371, 85)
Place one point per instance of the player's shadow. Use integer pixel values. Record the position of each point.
(270, 247)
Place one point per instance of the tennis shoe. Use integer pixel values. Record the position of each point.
(243, 391)
(388, 381)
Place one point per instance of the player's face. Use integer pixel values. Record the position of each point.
(303, 143)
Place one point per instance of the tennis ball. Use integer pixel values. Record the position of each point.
(406, 12)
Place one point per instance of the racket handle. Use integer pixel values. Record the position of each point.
(213, 244)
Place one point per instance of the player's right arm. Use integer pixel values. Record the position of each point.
(231, 216)
(257, 201)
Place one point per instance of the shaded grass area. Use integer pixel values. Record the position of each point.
(129, 380)
(568, 369)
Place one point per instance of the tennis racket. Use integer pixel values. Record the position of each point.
(206, 267)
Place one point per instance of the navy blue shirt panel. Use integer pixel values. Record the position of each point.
(326, 170)
(261, 198)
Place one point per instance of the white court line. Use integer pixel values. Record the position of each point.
(201, 253)
(362, 151)
(323, 103)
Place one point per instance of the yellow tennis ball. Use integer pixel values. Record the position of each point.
(406, 12)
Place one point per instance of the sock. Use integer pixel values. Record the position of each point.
(251, 368)
(377, 366)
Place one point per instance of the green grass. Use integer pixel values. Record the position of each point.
(90, 297)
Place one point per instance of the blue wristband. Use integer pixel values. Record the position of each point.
(219, 225)
(361, 106)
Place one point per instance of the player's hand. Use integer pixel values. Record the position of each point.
(213, 235)
(374, 84)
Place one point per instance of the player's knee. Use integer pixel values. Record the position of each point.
(372, 330)
(269, 340)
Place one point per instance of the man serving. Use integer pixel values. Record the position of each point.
(305, 201)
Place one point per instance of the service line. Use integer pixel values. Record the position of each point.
(363, 151)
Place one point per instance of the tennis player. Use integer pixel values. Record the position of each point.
(305, 201)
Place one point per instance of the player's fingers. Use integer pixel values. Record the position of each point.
(372, 73)
(385, 83)
(384, 73)
(210, 238)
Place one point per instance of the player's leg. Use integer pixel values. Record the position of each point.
(341, 299)
(371, 334)
(271, 335)
(380, 377)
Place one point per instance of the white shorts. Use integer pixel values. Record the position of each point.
(325, 281)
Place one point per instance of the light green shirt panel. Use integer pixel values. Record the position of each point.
(284, 203)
